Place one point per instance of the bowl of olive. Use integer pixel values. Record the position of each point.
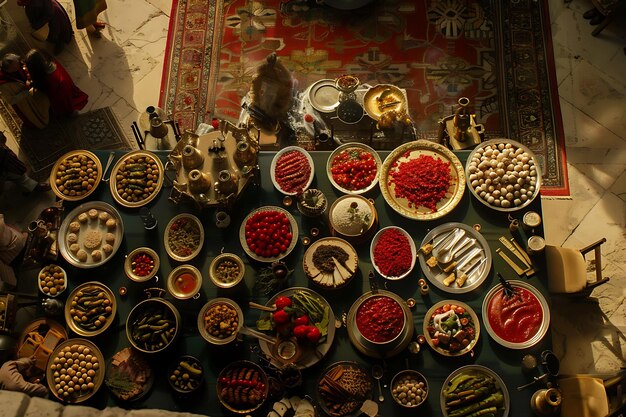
(226, 270)
(185, 375)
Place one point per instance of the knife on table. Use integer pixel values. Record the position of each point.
(469, 270)
(463, 262)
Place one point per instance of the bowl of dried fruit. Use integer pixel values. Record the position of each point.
(141, 264)
(185, 375)
(52, 280)
(226, 270)
(409, 388)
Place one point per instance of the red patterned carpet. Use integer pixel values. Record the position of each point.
(496, 53)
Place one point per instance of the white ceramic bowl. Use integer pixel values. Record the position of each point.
(275, 161)
(413, 252)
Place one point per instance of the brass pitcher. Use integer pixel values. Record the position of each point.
(190, 138)
(244, 153)
(226, 183)
(199, 182)
(192, 157)
(158, 129)
(546, 402)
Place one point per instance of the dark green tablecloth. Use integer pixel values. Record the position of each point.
(436, 368)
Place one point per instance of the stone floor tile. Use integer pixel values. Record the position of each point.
(41, 407)
(13, 404)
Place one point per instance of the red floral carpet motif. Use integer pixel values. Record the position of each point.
(494, 53)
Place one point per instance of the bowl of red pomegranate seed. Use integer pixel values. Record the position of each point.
(141, 264)
(393, 253)
(268, 234)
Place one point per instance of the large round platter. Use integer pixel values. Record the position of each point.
(96, 288)
(323, 95)
(411, 245)
(146, 177)
(306, 180)
(478, 371)
(129, 376)
(355, 389)
(196, 245)
(413, 150)
(479, 271)
(472, 323)
(345, 271)
(520, 319)
(383, 98)
(293, 227)
(474, 157)
(59, 177)
(86, 225)
(361, 149)
(97, 378)
(310, 355)
(373, 349)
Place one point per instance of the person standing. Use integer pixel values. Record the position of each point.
(31, 105)
(48, 75)
(49, 12)
(87, 12)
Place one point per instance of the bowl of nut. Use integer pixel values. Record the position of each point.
(141, 264)
(219, 321)
(52, 280)
(409, 388)
(226, 270)
(185, 375)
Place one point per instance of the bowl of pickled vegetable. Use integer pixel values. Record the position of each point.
(409, 388)
(226, 270)
(185, 374)
(141, 264)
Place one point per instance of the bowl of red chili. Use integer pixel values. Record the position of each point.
(518, 321)
(292, 170)
(353, 168)
(393, 253)
(184, 282)
(379, 321)
(141, 264)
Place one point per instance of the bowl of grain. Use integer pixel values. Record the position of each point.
(226, 270)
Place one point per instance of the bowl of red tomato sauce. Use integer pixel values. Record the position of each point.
(519, 320)
(184, 282)
(380, 321)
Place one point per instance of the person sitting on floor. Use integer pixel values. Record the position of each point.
(11, 378)
(12, 242)
(14, 170)
(31, 105)
(50, 13)
(48, 75)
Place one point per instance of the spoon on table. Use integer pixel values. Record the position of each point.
(377, 373)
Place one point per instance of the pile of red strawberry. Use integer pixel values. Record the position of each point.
(268, 233)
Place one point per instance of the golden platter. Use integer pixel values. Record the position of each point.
(383, 98)
(57, 181)
(119, 169)
(413, 150)
(98, 378)
(196, 250)
(79, 330)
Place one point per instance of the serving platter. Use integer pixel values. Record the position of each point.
(193, 237)
(324, 278)
(80, 304)
(382, 98)
(468, 313)
(293, 227)
(310, 354)
(136, 178)
(356, 152)
(97, 376)
(323, 95)
(91, 228)
(129, 376)
(299, 167)
(76, 175)
(520, 170)
(532, 299)
(412, 151)
(436, 274)
(346, 379)
(480, 372)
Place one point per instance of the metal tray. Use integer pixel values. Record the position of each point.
(371, 97)
(413, 150)
(323, 95)
(434, 275)
(478, 370)
(117, 169)
(90, 225)
(541, 332)
(55, 179)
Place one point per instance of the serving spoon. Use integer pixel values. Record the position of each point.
(377, 374)
(445, 253)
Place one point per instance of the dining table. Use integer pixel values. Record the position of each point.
(435, 367)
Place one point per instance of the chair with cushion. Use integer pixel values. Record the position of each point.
(567, 270)
(592, 395)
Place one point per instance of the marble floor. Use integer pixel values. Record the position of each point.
(123, 70)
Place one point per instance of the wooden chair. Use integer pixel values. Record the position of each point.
(592, 395)
(567, 270)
